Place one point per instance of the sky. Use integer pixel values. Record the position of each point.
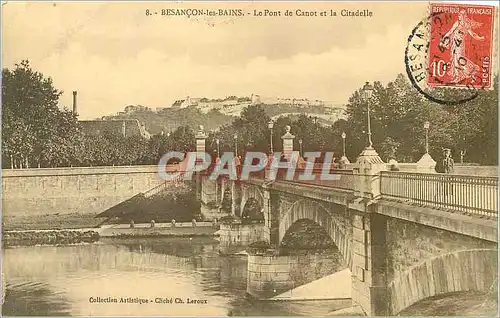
(114, 55)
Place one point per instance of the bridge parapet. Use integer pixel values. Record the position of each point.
(367, 174)
(474, 195)
(344, 179)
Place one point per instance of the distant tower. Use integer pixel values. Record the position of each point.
(75, 110)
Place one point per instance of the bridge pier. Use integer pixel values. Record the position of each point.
(206, 189)
(235, 236)
(369, 262)
(236, 198)
(270, 274)
(210, 205)
(271, 217)
(369, 248)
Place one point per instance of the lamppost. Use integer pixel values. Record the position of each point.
(426, 127)
(366, 94)
(426, 163)
(343, 143)
(369, 154)
(270, 125)
(217, 141)
(236, 144)
(344, 159)
(300, 147)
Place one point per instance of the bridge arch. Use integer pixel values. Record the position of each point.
(252, 195)
(467, 270)
(253, 210)
(331, 221)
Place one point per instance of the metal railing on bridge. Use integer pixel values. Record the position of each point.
(474, 195)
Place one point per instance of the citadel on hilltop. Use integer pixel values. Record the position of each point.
(211, 112)
(233, 105)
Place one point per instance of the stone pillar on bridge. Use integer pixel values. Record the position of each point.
(287, 142)
(200, 148)
(206, 190)
(369, 259)
(271, 217)
(426, 164)
(366, 172)
(236, 198)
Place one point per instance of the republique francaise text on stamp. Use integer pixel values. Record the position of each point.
(460, 45)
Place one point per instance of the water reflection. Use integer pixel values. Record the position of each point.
(33, 299)
(50, 280)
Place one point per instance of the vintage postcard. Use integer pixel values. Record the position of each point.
(249, 158)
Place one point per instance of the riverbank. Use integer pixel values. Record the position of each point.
(49, 237)
(51, 222)
(55, 235)
(159, 230)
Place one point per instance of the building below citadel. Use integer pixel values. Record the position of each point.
(124, 127)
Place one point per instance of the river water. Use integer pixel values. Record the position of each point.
(68, 280)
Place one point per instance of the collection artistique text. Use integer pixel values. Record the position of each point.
(137, 300)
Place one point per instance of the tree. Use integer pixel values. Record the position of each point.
(35, 130)
(182, 139)
(398, 113)
(252, 126)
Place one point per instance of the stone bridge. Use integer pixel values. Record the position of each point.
(399, 251)
(404, 236)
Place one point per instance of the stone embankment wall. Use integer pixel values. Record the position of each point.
(24, 238)
(269, 275)
(236, 234)
(81, 190)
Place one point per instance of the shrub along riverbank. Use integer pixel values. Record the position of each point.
(28, 238)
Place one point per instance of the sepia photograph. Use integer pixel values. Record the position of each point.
(263, 158)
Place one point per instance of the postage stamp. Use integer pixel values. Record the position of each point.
(460, 45)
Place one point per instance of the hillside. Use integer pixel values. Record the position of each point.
(168, 119)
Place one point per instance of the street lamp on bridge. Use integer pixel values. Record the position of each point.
(300, 147)
(270, 125)
(368, 155)
(217, 141)
(426, 163)
(236, 144)
(426, 127)
(366, 94)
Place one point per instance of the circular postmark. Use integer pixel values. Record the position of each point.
(422, 73)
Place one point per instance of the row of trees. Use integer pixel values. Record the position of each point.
(37, 133)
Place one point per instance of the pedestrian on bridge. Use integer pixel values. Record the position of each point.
(445, 165)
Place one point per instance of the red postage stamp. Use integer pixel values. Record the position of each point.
(460, 45)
